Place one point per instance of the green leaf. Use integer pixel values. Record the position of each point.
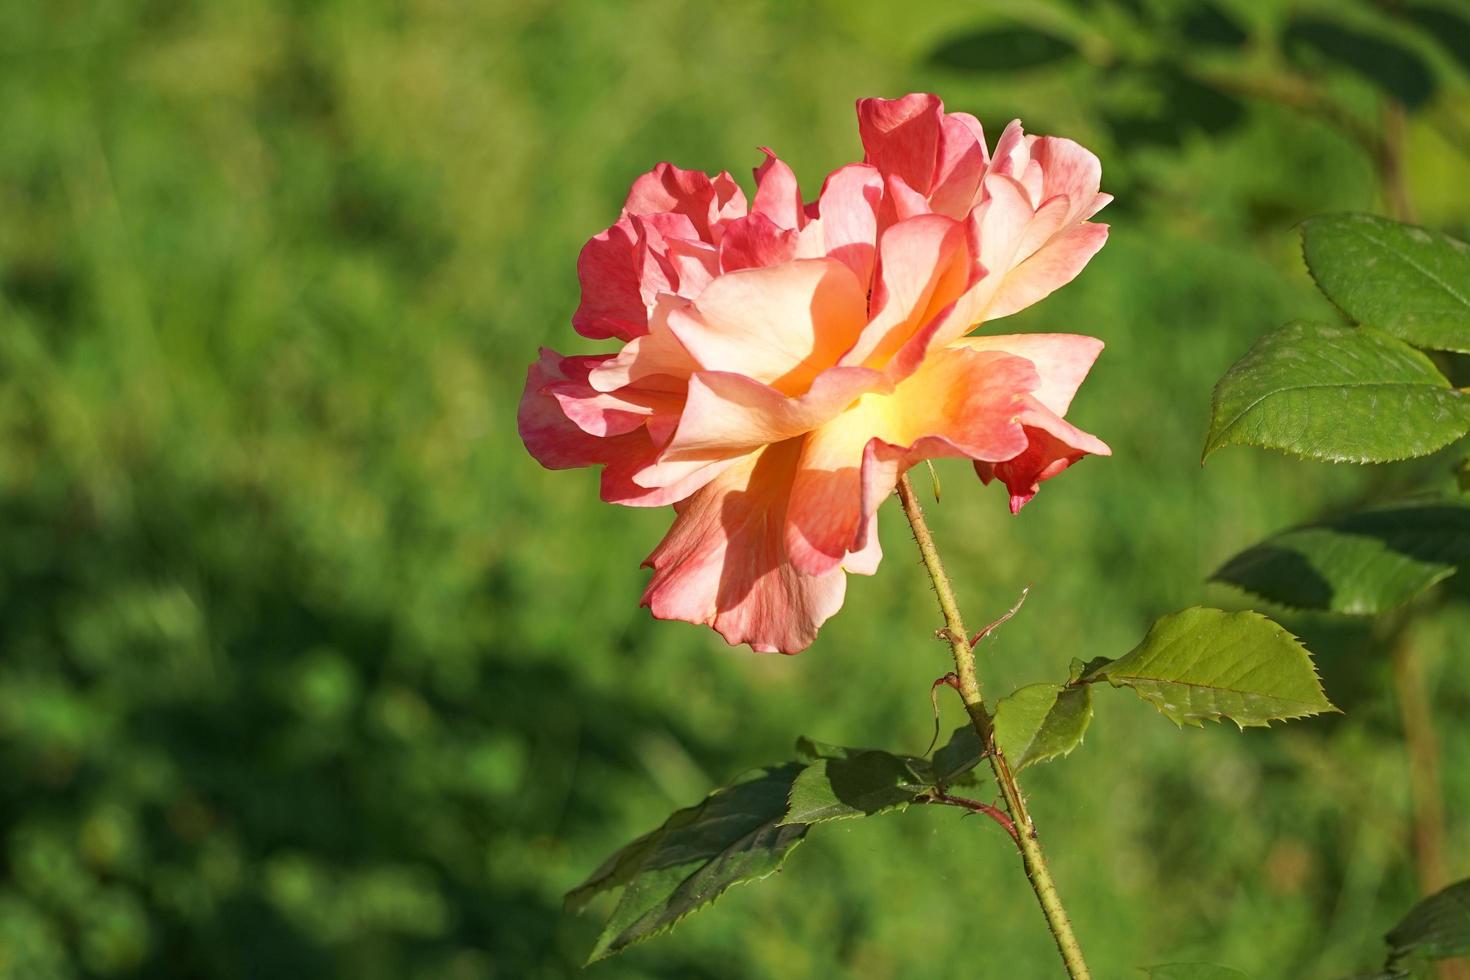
(734, 835)
(861, 785)
(1040, 722)
(1202, 664)
(1338, 394)
(1436, 928)
(962, 753)
(1192, 971)
(1404, 280)
(1363, 564)
(809, 750)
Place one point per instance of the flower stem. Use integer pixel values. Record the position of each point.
(969, 687)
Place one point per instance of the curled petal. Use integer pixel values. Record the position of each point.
(554, 440)
(706, 203)
(902, 137)
(963, 159)
(612, 413)
(611, 271)
(754, 242)
(656, 360)
(847, 213)
(777, 194)
(724, 561)
(1052, 445)
(558, 442)
(1070, 171)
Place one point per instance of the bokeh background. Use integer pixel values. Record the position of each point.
(308, 670)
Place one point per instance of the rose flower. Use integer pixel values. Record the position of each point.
(783, 364)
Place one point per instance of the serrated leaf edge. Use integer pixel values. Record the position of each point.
(601, 952)
(1197, 720)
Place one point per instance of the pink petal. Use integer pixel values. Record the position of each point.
(693, 265)
(554, 440)
(1062, 360)
(656, 360)
(901, 136)
(900, 201)
(557, 442)
(730, 414)
(612, 413)
(777, 194)
(610, 272)
(754, 242)
(924, 265)
(724, 563)
(1070, 170)
(1012, 153)
(866, 559)
(630, 454)
(1054, 265)
(706, 203)
(848, 217)
(963, 159)
(781, 325)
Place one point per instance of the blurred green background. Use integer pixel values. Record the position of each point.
(308, 670)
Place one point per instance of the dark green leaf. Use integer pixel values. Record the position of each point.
(1450, 29)
(1002, 49)
(1436, 928)
(1040, 722)
(1363, 563)
(1398, 278)
(1338, 394)
(1081, 668)
(1202, 664)
(860, 785)
(1395, 68)
(734, 835)
(1206, 24)
(963, 753)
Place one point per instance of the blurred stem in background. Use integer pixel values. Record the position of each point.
(1416, 707)
(968, 686)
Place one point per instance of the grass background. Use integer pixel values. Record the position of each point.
(308, 670)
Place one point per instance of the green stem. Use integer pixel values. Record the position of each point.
(1032, 858)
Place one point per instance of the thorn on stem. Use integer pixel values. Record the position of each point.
(1002, 620)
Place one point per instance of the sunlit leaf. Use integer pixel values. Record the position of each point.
(1401, 279)
(734, 835)
(1363, 563)
(1040, 722)
(1339, 394)
(1201, 664)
